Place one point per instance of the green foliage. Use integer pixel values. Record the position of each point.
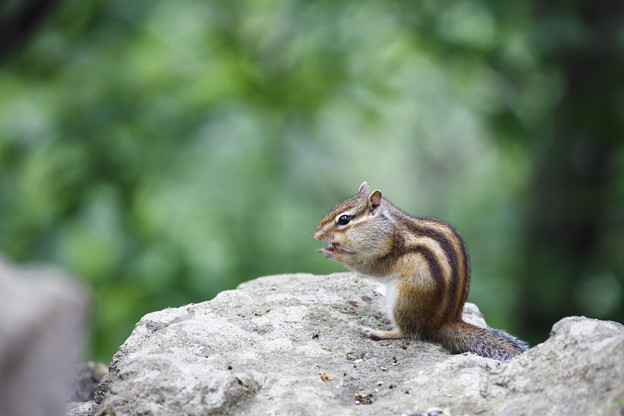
(166, 151)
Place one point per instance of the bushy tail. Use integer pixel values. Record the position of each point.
(487, 342)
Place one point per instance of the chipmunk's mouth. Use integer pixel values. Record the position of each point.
(334, 248)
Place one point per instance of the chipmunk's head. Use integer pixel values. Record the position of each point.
(358, 229)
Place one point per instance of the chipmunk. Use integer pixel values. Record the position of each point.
(424, 264)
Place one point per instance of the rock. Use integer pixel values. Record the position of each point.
(290, 345)
(579, 369)
(87, 408)
(43, 316)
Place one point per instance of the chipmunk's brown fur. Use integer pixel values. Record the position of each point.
(424, 265)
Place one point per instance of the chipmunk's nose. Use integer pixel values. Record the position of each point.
(318, 234)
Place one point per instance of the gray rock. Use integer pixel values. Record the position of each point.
(290, 345)
(87, 408)
(43, 316)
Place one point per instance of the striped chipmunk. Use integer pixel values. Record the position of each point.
(424, 265)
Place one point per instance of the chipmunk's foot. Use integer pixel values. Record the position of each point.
(377, 335)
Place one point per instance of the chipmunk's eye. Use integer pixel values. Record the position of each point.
(344, 219)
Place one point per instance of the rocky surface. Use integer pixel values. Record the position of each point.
(290, 345)
(43, 316)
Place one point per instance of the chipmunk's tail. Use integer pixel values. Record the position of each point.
(461, 337)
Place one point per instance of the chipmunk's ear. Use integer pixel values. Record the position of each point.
(374, 200)
(364, 188)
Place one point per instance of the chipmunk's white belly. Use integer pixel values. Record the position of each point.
(388, 288)
(391, 295)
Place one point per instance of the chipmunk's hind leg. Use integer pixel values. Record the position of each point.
(377, 335)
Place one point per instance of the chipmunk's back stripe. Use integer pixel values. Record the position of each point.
(463, 272)
(433, 263)
(466, 274)
(437, 231)
(435, 268)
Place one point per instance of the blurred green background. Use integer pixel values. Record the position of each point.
(165, 151)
